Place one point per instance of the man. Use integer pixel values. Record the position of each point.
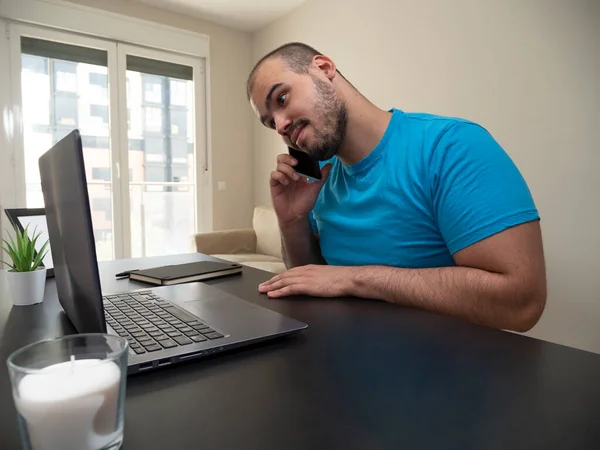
(415, 209)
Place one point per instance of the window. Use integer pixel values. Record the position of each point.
(154, 145)
(153, 120)
(136, 144)
(35, 75)
(178, 92)
(178, 122)
(101, 173)
(98, 79)
(65, 111)
(179, 150)
(100, 112)
(180, 174)
(102, 205)
(155, 158)
(150, 100)
(35, 64)
(155, 173)
(65, 73)
(52, 98)
(152, 89)
(94, 142)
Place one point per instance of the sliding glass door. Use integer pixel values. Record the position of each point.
(64, 85)
(161, 143)
(140, 114)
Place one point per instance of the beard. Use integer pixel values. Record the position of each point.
(333, 117)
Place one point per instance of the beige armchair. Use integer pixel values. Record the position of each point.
(259, 246)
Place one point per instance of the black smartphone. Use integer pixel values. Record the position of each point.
(307, 166)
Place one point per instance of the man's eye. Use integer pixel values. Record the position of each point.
(281, 99)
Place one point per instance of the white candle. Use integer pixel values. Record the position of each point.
(71, 405)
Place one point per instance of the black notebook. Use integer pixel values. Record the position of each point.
(185, 273)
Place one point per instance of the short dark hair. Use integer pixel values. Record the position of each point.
(296, 55)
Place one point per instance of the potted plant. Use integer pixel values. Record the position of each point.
(26, 277)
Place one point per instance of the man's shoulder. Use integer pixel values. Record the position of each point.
(432, 128)
(434, 121)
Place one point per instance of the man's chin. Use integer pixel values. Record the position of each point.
(322, 155)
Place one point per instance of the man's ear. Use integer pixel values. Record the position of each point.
(325, 65)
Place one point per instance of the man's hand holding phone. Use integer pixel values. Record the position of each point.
(292, 194)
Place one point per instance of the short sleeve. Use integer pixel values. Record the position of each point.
(477, 190)
(313, 223)
(311, 216)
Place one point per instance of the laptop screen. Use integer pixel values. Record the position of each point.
(69, 221)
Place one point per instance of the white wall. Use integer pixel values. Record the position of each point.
(231, 117)
(5, 161)
(528, 70)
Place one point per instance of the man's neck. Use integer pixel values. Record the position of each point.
(365, 128)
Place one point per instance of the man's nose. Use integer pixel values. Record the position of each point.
(283, 125)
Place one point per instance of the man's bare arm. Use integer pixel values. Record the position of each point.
(498, 282)
(299, 246)
(481, 297)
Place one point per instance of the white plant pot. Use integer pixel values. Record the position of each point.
(26, 288)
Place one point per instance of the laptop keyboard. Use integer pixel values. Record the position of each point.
(150, 323)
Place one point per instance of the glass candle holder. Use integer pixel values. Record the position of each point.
(69, 392)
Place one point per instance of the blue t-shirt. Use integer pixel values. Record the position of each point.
(432, 186)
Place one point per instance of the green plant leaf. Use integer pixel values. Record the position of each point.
(40, 256)
(34, 257)
(17, 260)
(22, 252)
(9, 253)
(12, 243)
(30, 255)
(9, 265)
(21, 235)
(11, 249)
(34, 238)
(7, 248)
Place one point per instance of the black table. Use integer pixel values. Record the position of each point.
(364, 375)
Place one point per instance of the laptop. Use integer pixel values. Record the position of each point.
(164, 325)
